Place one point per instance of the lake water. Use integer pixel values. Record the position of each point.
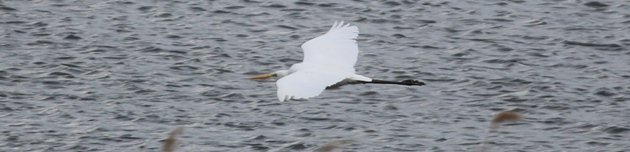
(118, 75)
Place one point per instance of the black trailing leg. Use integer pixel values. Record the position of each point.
(404, 82)
(409, 82)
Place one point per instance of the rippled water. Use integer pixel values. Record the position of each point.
(118, 75)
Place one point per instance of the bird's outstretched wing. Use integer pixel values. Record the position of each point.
(305, 84)
(328, 59)
(337, 48)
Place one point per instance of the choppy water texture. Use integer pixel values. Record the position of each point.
(119, 75)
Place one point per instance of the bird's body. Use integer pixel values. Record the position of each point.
(328, 60)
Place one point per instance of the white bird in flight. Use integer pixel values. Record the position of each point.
(328, 63)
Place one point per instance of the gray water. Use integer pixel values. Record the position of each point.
(118, 75)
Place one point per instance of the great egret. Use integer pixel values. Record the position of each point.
(328, 63)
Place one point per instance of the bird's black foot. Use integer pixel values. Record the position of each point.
(413, 82)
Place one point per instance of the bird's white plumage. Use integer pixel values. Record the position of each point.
(328, 59)
(337, 47)
(305, 84)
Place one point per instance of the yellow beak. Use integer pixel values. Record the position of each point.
(262, 76)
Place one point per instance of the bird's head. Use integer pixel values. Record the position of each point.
(280, 73)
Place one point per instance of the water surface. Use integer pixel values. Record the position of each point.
(118, 75)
